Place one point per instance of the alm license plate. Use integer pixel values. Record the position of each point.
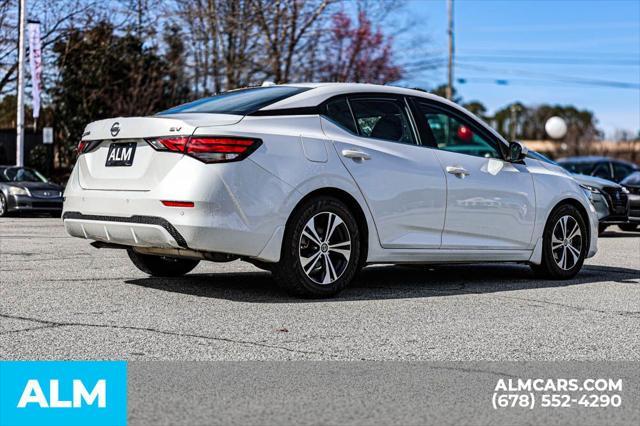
(121, 154)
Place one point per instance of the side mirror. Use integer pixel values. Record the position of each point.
(517, 151)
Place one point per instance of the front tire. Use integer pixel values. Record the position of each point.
(564, 244)
(161, 266)
(320, 249)
(4, 208)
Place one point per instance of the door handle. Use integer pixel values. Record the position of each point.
(458, 171)
(355, 155)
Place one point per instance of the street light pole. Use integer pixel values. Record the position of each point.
(450, 32)
(20, 108)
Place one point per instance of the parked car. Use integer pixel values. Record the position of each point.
(602, 167)
(314, 181)
(25, 190)
(632, 184)
(611, 200)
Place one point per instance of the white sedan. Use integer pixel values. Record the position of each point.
(315, 181)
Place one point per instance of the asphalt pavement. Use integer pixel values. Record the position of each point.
(60, 298)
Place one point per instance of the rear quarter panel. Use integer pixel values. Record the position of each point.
(295, 150)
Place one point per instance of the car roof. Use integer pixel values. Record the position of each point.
(323, 91)
(320, 92)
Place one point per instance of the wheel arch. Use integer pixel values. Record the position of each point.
(353, 205)
(581, 209)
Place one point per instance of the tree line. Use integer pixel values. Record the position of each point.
(137, 57)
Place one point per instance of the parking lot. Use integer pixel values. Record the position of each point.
(62, 299)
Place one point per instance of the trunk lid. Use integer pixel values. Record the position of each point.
(148, 166)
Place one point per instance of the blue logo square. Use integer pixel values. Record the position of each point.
(63, 393)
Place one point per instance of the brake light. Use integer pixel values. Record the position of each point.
(208, 149)
(220, 149)
(86, 146)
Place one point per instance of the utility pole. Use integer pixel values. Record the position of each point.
(20, 108)
(450, 32)
(515, 109)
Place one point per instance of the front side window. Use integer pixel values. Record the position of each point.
(452, 134)
(385, 119)
(240, 102)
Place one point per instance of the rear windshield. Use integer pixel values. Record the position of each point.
(240, 102)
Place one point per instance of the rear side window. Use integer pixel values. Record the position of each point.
(382, 119)
(239, 102)
(338, 110)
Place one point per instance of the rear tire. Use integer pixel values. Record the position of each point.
(161, 266)
(564, 244)
(320, 249)
(629, 227)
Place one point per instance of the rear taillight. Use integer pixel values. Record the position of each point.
(86, 146)
(218, 149)
(174, 144)
(208, 149)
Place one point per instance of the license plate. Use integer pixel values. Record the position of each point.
(121, 154)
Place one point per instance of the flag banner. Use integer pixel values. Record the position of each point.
(35, 62)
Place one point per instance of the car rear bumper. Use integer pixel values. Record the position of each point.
(141, 231)
(238, 208)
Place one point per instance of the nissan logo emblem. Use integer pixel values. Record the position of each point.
(115, 129)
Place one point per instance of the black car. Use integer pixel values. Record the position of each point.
(610, 199)
(25, 190)
(602, 167)
(632, 183)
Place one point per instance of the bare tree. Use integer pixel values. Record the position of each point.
(223, 42)
(55, 17)
(285, 24)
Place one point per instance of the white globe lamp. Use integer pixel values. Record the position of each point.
(556, 128)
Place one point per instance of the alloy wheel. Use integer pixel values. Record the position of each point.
(2, 206)
(325, 248)
(566, 242)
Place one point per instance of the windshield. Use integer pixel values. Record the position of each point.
(20, 174)
(537, 156)
(579, 168)
(239, 102)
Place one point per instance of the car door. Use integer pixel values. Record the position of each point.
(490, 201)
(401, 181)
